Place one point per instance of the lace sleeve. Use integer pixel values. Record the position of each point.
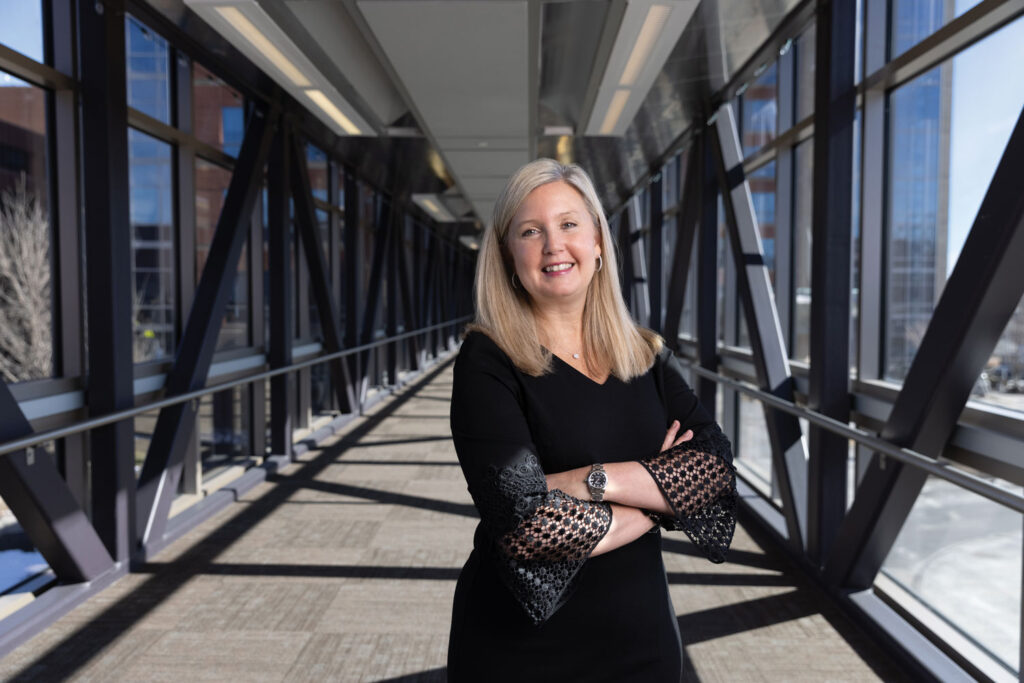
(542, 538)
(699, 483)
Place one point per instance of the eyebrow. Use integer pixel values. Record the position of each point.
(571, 212)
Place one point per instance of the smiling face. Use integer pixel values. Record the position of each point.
(554, 246)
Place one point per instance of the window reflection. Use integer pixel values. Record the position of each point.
(211, 188)
(147, 71)
(218, 116)
(759, 116)
(804, 58)
(224, 425)
(960, 555)
(914, 20)
(22, 27)
(753, 449)
(948, 128)
(153, 248)
(26, 335)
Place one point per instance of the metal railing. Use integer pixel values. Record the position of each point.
(906, 456)
(110, 418)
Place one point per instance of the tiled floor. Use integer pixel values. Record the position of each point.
(342, 568)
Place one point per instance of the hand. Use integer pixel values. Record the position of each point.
(571, 482)
(670, 436)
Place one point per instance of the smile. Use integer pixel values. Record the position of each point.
(557, 268)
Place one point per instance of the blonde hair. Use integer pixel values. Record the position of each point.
(611, 340)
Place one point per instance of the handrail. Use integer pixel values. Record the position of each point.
(110, 418)
(906, 456)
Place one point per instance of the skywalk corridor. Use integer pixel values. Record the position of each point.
(342, 566)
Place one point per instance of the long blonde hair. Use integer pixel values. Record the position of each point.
(611, 340)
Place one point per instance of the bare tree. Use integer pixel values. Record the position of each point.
(26, 348)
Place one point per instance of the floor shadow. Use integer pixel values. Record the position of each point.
(82, 645)
(385, 497)
(328, 571)
(727, 620)
(743, 557)
(398, 442)
(712, 579)
(431, 676)
(417, 463)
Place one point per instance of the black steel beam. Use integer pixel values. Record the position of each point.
(43, 504)
(686, 232)
(161, 472)
(829, 394)
(979, 299)
(108, 257)
(410, 312)
(380, 245)
(656, 249)
(391, 317)
(282, 295)
(319, 277)
(770, 359)
(706, 192)
(352, 272)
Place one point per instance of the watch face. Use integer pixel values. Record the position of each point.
(597, 479)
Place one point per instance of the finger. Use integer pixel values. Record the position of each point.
(687, 435)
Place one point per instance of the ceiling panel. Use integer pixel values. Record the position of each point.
(462, 62)
(484, 187)
(483, 163)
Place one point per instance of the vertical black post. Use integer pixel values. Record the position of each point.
(707, 271)
(282, 295)
(655, 286)
(397, 221)
(109, 261)
(830, 269)
(352, 276)
(626, 256)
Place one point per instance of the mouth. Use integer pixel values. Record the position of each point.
(557, 267)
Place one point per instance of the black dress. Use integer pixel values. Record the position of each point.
(530, 604)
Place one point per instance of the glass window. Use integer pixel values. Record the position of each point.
(153, 249)
(316, 161)
(688, 321)
(762, 193)
(914, 20)
(26, 321)
(804, 58)
(211, 188)
(753, 449)
(218, 114)
(759, 117)
(960, 555)
(148, 71)
(22, 27)
(224, 426)
(948, 128)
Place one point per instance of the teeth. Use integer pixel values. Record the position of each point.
(557, 267)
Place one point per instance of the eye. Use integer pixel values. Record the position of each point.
(569, 225)
(528, 232)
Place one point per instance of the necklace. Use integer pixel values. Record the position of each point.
(576, 356)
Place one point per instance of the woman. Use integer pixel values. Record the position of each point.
(576, 434)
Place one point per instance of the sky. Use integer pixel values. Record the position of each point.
(20, 22)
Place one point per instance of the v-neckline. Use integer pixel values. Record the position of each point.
(581, 374)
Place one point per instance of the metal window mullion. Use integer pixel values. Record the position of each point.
(706, 281)
(874, 143)
(108, 259)
(655, 286)
(184, 193)
(282, 298)
(784, 198)
(67, 323)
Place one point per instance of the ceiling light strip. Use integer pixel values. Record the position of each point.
(653, 24)
(618, 103)
(242, 24)
(321, 100)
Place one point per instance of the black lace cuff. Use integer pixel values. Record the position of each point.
(699, 483)
(541, 538)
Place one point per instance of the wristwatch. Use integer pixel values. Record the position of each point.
(596, 481)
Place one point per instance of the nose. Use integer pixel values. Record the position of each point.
(553, 241)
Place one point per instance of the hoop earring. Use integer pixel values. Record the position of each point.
(600, 264)
(514, 285)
